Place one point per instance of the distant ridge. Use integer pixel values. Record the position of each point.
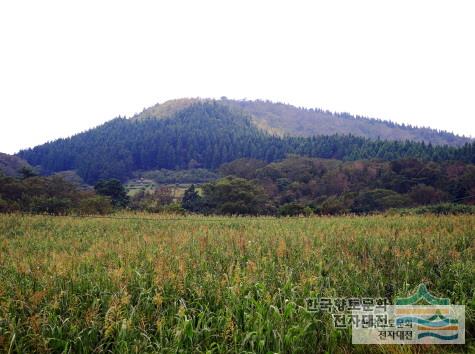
(285, 119)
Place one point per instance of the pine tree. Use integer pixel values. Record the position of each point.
(191, 199)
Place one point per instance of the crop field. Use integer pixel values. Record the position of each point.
(148, 186)
(135, 186)
(208, 284)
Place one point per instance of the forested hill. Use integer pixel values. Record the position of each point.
(11, 165)
(207, 134)
(281, 119)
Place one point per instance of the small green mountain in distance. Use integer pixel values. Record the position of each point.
(206, 134)
(285, 119)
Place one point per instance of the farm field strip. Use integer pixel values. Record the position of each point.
(230, 285)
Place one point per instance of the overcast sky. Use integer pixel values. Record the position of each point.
(66, 66)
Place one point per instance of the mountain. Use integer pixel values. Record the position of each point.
(206, 134)
(282, 119)
(11, 165)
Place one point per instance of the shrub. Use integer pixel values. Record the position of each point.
(294, 209)
(332, 206)
(446, 209)
(174, 208)
(423, 194)
(50, 205)
(94, 204)
(438, 209)
(7, 207)
(114, 189)
(235, 196)
(191, 200)
(379, 200)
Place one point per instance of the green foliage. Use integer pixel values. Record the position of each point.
(220, 285)
(333, 205)
(173, 208)
(208, 135)
(11, 165)
(378, 200)
(164, 176)
(27, 172)
(424, 194)
(287, 119)
(234, 196)
(157, 201)
(335, 187)
(243, 168)
(50, 204)
(5, 207)
(191, 201)
(50, 195)
(294, 209)
(113, 189)
(438, 209)
(94, 204)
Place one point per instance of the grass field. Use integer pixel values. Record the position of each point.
(148, 186)
(218, 284)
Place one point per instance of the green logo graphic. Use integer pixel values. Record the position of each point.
(422, 296)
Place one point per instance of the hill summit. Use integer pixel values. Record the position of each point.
(285, 119)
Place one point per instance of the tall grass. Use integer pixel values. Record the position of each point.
(218, 285)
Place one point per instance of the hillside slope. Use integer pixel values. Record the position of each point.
(11, 165)
(206, 134)
(282, 119)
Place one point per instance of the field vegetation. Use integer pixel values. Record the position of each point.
(161, 283)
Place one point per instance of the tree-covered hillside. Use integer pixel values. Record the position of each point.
(207, 134)
(285, 119)
(12, 165)
(333, 187)
(308, 122)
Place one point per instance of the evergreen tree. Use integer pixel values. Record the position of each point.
(191, 200)
(114, 189)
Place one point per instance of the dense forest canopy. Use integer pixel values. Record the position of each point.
(295, 185)
(51, 195)
(302, 185)
(208, 134)
(12, 165)
(285, 119)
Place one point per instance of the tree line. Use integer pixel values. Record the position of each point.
(301, 185)
(293, 186)
(55, 195)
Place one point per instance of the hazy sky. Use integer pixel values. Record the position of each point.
(66, 66)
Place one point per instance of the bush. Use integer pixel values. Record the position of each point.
(235, 196)
(446, 209)
(164, 176)
(438, 209)
(174, 208)
(294, 209)
(191, 200)
(51, 195)
(6, 207)
(332, 206)
(50, 205)
(94, 204)
(423, 194)
(379, 200)
(114, 189)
